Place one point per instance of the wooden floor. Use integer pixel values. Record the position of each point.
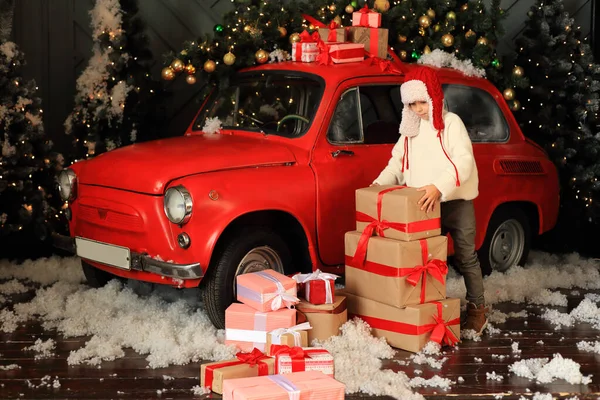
(129, 377)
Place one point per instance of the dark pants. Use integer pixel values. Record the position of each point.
(458, 219)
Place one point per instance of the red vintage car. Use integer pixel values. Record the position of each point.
(275, 187)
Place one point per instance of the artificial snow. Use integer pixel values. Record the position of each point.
(590, 347)
(42, 348)
(587, 311)
(543, 370)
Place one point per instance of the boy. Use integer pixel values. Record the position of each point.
(435, 155)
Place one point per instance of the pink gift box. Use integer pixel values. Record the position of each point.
(305, 52)
(346, 52)
(299, 359)
(310, 385)
(266, 290)
(247, 328)
(366, 18)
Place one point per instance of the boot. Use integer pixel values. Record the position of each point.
(476, 318)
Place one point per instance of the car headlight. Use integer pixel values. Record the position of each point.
(67, 185)
(178, 205)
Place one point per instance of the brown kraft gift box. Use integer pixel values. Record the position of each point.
(374, 39)
(287, 339)
(389, 268)
(231, 369)
(325, 319)
(338, 35)
(409, 328)
(399, 209)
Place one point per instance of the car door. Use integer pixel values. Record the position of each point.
(354, 145)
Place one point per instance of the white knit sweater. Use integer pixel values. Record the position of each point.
(427, 163)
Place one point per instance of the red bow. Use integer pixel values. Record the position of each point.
(306, 37)
(384, 65)
(364, 18)
(440, 332)
(436, 268)
(251, 358)
(323, 58)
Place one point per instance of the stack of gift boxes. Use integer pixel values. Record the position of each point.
(272, 328)
(396, 269)
(344, 44)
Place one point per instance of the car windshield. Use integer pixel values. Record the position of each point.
(273, 103)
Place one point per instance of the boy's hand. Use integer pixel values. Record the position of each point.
(432, 194)
(374, 184)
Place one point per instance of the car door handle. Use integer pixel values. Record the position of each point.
(342, 152)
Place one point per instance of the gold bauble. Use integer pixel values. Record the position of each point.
(229, 58)
(482, 41)
(403, 54)
(209, 66)
(294, 37)
(447, 40)
(332, 7)
(338, 20)
(282, 31)
(437, 28)
(431, 13)
(177, 65)
(402, 38)
(426, 50)
(190, 69)
(464, 7)
(568, 28)
(247, 29)
(382, 5)
(261, 56)
(451, 15)
(515, 105)
(470, 33)
(190, 79)
(509, 94)
(167, 74)
(518, 71)
(349, 9)
(424, 21)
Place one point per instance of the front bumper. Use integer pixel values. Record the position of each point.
(140, 262)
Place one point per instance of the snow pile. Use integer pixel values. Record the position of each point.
(9, 367)
(590, 347)
(493, 376)
(544, 371)
(42, 348)
(436, 381)
(498, 317)
(587, 311)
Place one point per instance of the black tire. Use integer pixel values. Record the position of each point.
(218, 286)
(95, 277)
(492, 255)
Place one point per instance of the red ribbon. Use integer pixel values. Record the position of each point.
(313, 21)
(344, 54)
(306, 37)
(253, 359)
(440, 329)
(379, 226)
(296, 353)
(364, 16)
(436, 268)
(332, 36)
(323, 58)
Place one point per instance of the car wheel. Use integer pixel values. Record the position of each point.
(507, 241)
(247, 250)
(95, 277)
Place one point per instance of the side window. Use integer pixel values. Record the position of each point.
(379, 107)
(479, 111)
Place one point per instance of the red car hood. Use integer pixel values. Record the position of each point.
(148, 167)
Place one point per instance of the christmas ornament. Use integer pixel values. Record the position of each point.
(415, 55)
(447, 40)
(190, 69)
(470, 33)
(567, 28)
(382, 5)
(338, 20)
(495, 63)
(321, 12)
(282, 31)
(518, 71)
(177, 65)
(451, 15)
(332, 7)
(482, 41)
(167, 74)
(421, 31)
(219, 28)
(424, 21)
(402, 38)
(403, 54)
(294, 38)
(498, 65)
(354, 3)
(431, 13)
(437, 28)
(209, 66)
(349, 9)
(190, 79)
(426, 50)
(261, 56)
(229, 58)
(247, 28)
(183, 52)
(515, 105)
(509, 93)
(464, 7)
(530, 14)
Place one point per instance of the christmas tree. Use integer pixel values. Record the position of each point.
(255, 32)
(560, 112)
(29, 203)
(117, 101)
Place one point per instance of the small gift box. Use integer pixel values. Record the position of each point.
(247, 328)
(297, 359)
(294, 336)
(395, 272)
(367, 18)
(318, 287)
(392, 212)
(307, 49)
(374, 39)
(340, 53)
(409, 328)
(299, 385)
(333, 34)
(325, 319)
(245, 365)
(266, 290)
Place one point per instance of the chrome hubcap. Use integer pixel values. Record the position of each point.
(507, 245)
(258, 259)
